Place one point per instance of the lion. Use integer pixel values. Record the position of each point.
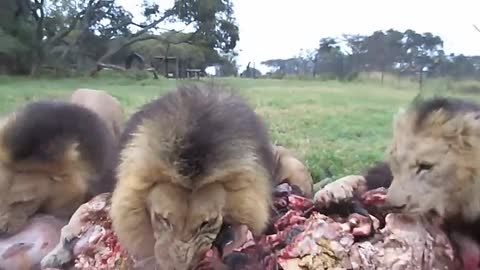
(289, 169)
(434, 163)
(191, 161)
(53, 157)
(106, 106)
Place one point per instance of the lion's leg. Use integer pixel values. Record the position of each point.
(130, 218)
(249, 206)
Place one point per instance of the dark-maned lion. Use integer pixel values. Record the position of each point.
(191, 160)
(53, 157)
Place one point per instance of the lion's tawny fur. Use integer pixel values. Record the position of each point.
(190, 142)
(435, 158)
(289, 169)
(105, 105)
(52, 159)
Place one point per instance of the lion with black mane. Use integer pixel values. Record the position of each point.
(54, 156)
(190, 161)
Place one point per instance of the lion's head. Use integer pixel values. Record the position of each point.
(21, 195)
(435, 158)
(184, 222)
(50, 154)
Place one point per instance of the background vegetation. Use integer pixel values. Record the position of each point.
(336, 128)
(332, 104)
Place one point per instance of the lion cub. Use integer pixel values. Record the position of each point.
(435, 162)
(53, 157)
(190, 161)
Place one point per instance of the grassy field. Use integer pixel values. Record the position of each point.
(335, 128)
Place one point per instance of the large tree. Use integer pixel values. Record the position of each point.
(404, 53)
(79, 31)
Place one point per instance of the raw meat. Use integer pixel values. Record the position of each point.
(343, 228)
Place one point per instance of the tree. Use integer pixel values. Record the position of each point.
(228, 65)
(100, 30)
(405, 53)
(358, 50)
(462, 67)
(329, 60)
(251, 72)
(420, 50)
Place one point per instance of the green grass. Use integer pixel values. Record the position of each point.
(335, 128)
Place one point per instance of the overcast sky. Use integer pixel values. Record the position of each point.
(280, 28)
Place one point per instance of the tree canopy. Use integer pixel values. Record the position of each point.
(81, 34)
(403, 53)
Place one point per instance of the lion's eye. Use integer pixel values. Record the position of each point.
(23, 203)
(203, 225)
(162, 220)
(17, 203)
(423, 166)
(207, 223)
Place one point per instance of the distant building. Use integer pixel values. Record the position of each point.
(213, 70)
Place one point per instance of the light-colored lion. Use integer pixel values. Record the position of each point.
(105, 105)
(435, 158)
(435, 163)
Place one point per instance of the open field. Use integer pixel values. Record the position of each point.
(335, 128)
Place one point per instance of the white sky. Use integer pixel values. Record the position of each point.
(280, 28)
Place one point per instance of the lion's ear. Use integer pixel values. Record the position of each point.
(455, 127)
(399, 125)
(470, 124)
(464, 128)
(399, 119)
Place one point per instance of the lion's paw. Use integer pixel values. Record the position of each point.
(340, 190)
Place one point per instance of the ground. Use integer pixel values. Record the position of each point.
(336, 128)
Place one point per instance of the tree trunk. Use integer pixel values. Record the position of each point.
(315, 65)
(420, 79)
(177, 68)
(167, 50)
(34, 69)
(37, 61)
(101, 66)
